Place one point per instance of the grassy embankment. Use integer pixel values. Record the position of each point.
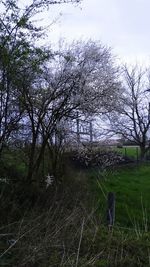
(69, 229)
(131, 186)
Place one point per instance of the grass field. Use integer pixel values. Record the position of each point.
(131, 186)
(68, 227)
(129, 151)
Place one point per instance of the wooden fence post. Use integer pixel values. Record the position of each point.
(110, 209)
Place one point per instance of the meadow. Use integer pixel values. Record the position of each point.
(131, 185)
(129, 151)
(67, 226)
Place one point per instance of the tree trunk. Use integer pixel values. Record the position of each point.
(31, 161)
(40, 156)
(142, 152)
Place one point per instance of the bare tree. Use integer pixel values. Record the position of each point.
(131, 117)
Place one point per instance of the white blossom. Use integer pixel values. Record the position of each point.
(49, 180)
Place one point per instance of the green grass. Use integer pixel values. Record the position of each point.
(65, 228)
(131, 187)
(129, 151)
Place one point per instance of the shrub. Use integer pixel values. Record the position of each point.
(97, 158)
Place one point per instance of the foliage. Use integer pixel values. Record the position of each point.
(41, 89)
(102, 158)
(26, 94)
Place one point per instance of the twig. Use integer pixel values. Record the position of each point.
(81, 234)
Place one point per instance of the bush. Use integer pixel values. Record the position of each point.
(97, 158)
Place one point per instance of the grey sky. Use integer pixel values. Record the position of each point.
(122, 24)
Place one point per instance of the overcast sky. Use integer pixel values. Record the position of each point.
(122, 24)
